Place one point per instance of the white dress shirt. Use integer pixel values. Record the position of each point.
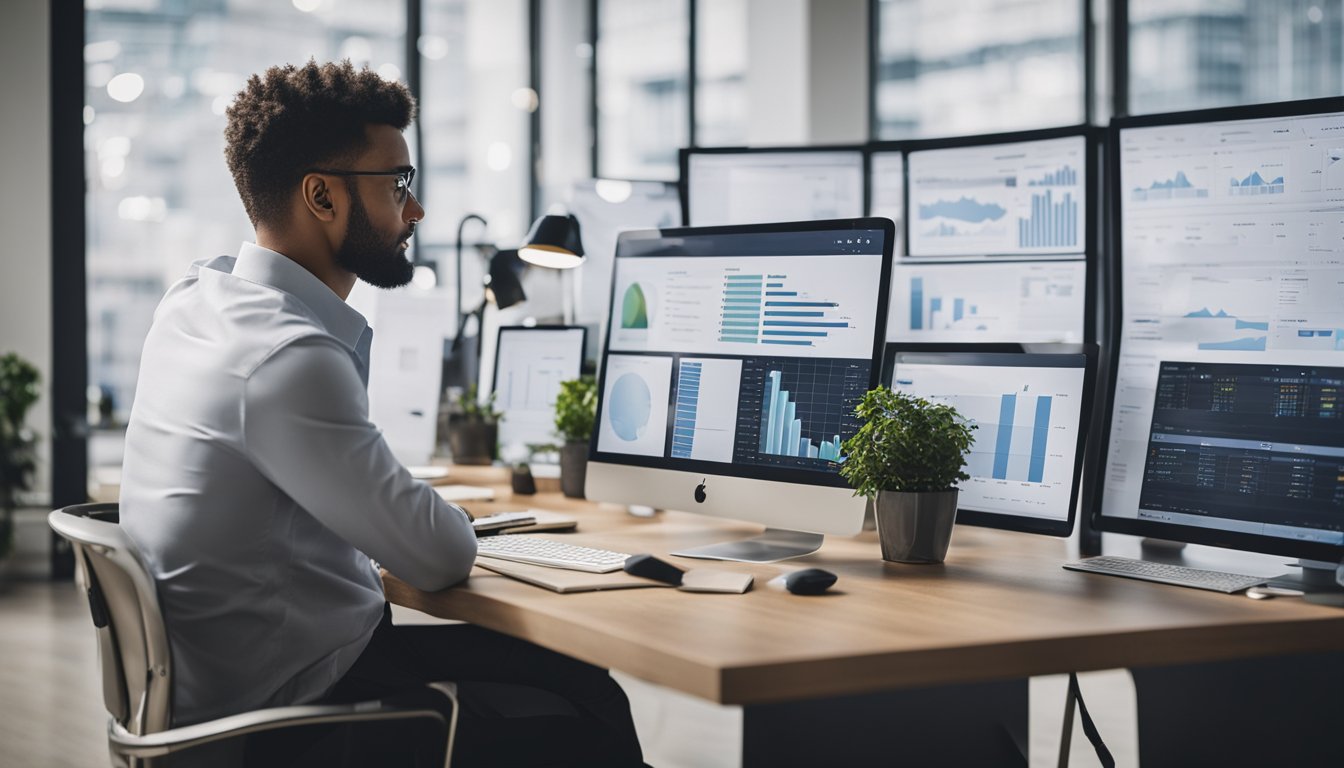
(257, 489)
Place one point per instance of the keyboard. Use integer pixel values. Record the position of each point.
(537, 550)
(1179, 575)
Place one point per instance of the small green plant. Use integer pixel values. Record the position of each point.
(906, 444)
(471, 408)
(18, 445)
(576, 409)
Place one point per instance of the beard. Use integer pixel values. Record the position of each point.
(370, 256)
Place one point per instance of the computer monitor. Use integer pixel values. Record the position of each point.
(734, 359)
(1000, 301)
(996, 196)
(530, 363)
(886, 191)
(1229, 329)
(1031, 405)
(749, 186)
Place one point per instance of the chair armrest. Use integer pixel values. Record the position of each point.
(177, 739)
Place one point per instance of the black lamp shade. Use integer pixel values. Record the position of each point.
(553, 242)
(506, 283)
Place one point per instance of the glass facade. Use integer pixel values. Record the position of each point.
(642, 94)
(721, 71)
(953, 67)
(1194, 54)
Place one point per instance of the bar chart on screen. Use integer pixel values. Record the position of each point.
(1018, 301)
(794, 410)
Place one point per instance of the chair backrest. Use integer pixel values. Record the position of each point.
(132, 641)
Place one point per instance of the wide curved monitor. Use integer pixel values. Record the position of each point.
(734, 359)
(1224, 425)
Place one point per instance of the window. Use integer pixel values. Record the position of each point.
(949, 67)
(721, 71)
(1207, 53)
(566, 99)
(158, 79)
(642, 94)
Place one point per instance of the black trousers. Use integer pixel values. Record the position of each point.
(520, 705)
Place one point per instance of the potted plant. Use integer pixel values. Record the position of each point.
(473, 429)
(575, 413)
(18, 444)
(908, 458)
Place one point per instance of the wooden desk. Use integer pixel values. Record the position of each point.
(1000, 608)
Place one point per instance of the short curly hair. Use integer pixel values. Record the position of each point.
(290, 119)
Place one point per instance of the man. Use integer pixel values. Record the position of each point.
(258, 490)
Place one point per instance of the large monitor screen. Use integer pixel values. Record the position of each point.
(1232, 233)
(742, 353)
(1022, 198)
(530, 363)
(1030, 412)
(1011, 301)
(750, 187)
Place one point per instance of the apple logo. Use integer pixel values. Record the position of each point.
(700, 493)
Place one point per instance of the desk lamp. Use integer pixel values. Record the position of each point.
(553, 242)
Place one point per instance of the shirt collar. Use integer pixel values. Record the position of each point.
(266, 267)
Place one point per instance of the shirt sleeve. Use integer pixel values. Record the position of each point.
(306, 428)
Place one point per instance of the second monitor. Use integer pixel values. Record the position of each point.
(529, 365)
(734, 359)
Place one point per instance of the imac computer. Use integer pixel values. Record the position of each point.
(530, 363)
(1031, 406)
(750, 186)
(734, 359)
(1224, 423)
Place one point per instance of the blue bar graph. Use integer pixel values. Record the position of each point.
(741, 308)
(925, 316)
(1004, 441)
(1040, 431)
(688, 397)
(781, 431)
(916, 303)
(1052, 224)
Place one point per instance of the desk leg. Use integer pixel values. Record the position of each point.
(976, 724)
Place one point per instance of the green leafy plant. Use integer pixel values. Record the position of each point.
(18, 445)
(576, 409)
(906, 444)
(471, 408)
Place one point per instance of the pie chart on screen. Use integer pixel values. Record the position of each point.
(631, 404)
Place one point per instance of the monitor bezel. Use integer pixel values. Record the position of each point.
(684, 166)
(1092, 138)
(727, 469)
(1247, 542)
(1000, 520)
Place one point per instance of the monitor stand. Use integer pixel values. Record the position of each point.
(772, 545)
(1316, 576)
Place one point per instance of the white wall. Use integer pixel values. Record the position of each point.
(25, 201)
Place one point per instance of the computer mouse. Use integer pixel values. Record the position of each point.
(808, 581)
(650, 567)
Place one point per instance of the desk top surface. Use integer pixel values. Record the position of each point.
(1000, 607)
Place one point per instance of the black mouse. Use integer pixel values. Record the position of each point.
(808, 581)
(651, 567)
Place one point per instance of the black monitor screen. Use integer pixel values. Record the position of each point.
(1248, 448)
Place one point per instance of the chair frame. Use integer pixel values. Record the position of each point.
(146, 732)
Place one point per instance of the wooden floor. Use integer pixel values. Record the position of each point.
(51, 713)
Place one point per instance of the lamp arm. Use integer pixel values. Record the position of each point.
(457, 283)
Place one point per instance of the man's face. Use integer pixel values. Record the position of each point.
(382, 214)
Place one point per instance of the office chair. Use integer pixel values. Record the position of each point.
(136, 663)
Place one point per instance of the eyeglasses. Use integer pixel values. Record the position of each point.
(404, 178)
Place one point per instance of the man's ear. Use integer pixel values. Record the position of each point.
(317, 198)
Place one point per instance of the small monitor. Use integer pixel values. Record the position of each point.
(1002, 301)
(754, 186)
(734, 359)
(1031, 406)
(1000, 199)
(530, 363)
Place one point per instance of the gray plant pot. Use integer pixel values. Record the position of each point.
(472, 441)
(915, 527)
(573, 468)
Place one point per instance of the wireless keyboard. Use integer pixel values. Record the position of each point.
(537, 550)
(1179, 575)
